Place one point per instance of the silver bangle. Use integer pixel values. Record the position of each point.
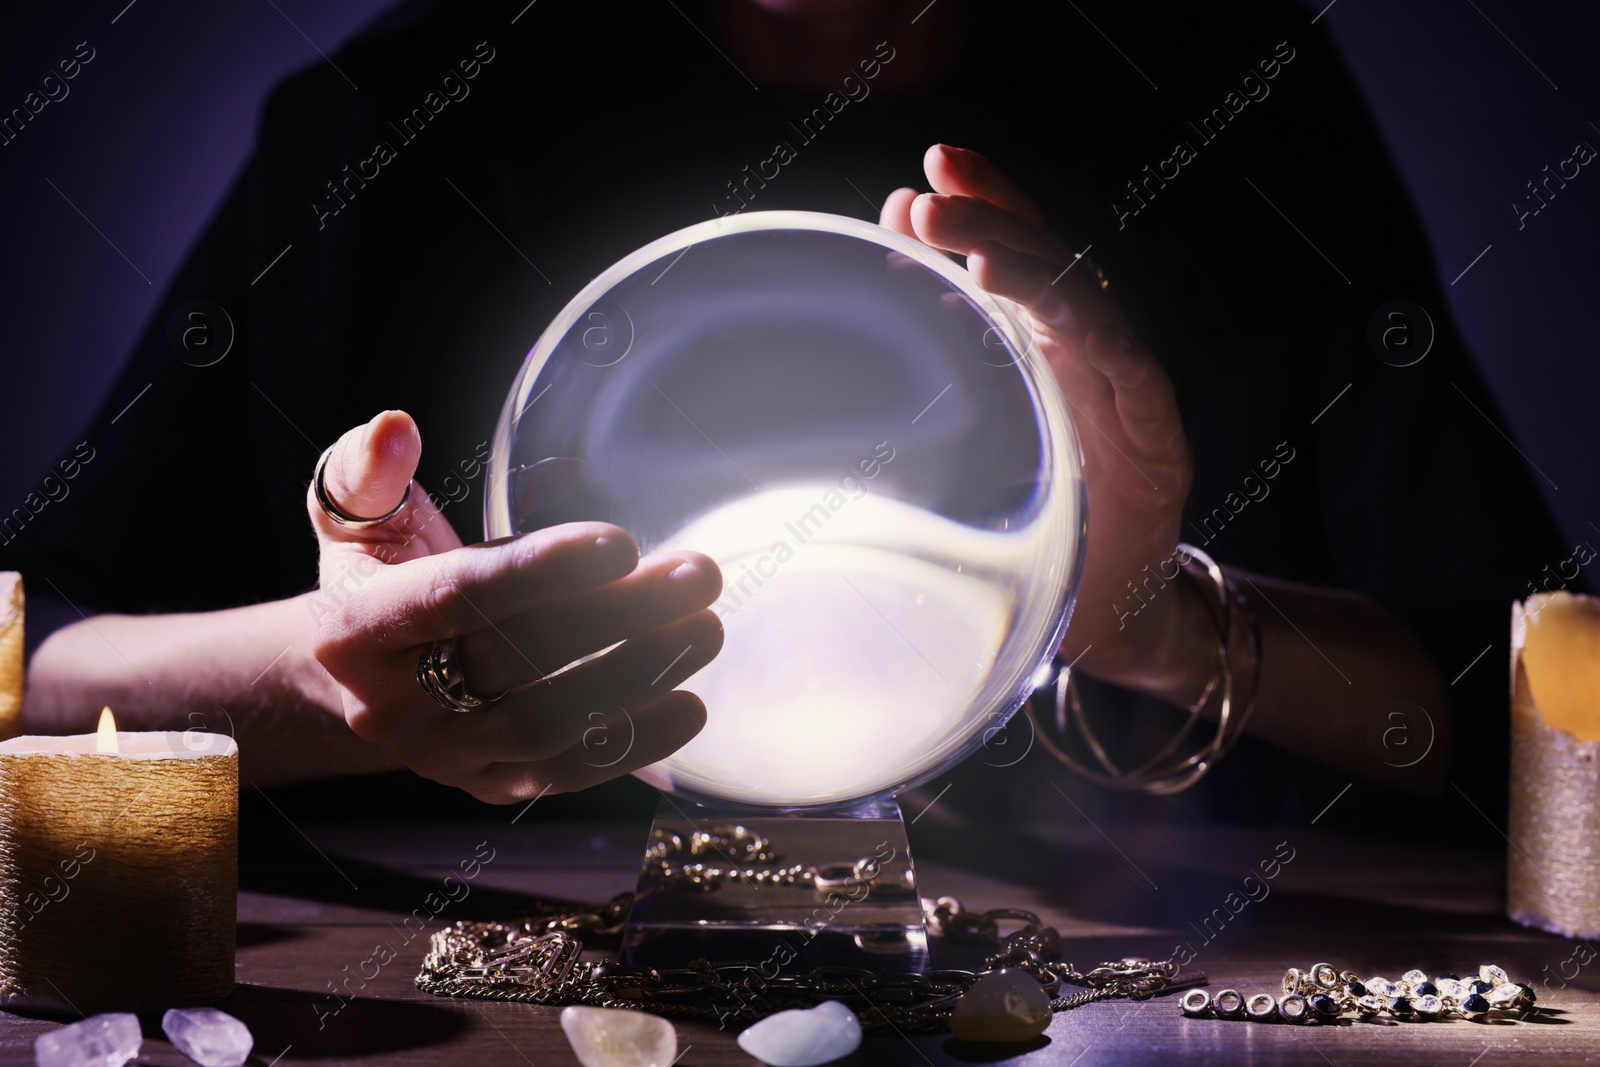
(1170, 770)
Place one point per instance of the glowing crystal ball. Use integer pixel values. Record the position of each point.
(869, 447)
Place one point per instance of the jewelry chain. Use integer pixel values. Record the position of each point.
(537, 961)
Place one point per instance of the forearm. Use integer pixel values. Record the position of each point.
(246, 671)
(1332, 663)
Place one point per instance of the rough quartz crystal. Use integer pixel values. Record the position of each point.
(99, 1041)
(207, 1036)
(613, 1037)
(803, 1038)
(1004, 1005)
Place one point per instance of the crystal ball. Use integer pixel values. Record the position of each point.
(872, 449)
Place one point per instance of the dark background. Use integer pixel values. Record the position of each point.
(1474, 96)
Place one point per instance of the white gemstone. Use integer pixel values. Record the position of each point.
(1428, 1004)
(614, 1037)
(803, 1038)
(1379, 987)
(1370, 1004)
(1414, 976)
(207, 1036)
(1504, 994)
(1492, 974)
(1450, 987)
(98, 1041)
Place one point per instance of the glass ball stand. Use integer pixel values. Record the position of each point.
(881, 464)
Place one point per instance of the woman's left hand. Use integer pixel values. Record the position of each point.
(1137, 465)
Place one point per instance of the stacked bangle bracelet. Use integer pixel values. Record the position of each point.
(1232, 689)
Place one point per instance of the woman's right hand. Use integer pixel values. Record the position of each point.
(520, 609)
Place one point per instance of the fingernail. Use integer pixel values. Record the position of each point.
(686, 571)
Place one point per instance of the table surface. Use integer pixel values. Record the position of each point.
(306, 926)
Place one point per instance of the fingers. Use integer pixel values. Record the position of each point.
(453, 593)
(963, 172)
(1027, 280)
(896, 214)
(366, 475)
(526, 646)
(960, 223)
(611, 746)
(1147, 404)
(544, 720)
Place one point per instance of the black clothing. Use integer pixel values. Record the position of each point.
(588, 129)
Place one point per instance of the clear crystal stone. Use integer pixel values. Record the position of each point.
(1414, 976)
(1369, 1004)
(1504, 993)
(1428, 1005)
(802, 1037)
(109, 1040)
(1492, 974)
(1379, 987)
(615, 1037)
(1450, 987)
(207, 1036)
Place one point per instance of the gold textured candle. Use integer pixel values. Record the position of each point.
(118, 869)
(1553, 866)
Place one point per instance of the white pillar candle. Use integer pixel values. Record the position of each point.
(118, 869)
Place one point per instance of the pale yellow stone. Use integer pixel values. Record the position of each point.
(1006, 1005)
(613, 1037)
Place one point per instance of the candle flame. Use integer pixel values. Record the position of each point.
(106, 737)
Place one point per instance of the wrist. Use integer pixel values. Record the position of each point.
(1171, 651)
(306, 680)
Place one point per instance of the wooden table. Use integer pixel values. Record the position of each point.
(310, 924)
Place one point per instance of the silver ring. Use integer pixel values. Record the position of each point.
(439, 671)
(330, 509)
(1228, 1004)
(1261, 1006)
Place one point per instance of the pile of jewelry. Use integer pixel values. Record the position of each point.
(1323, 994)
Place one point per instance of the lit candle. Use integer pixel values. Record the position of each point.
(118, 869)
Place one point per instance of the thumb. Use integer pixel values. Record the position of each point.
(368, 473)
